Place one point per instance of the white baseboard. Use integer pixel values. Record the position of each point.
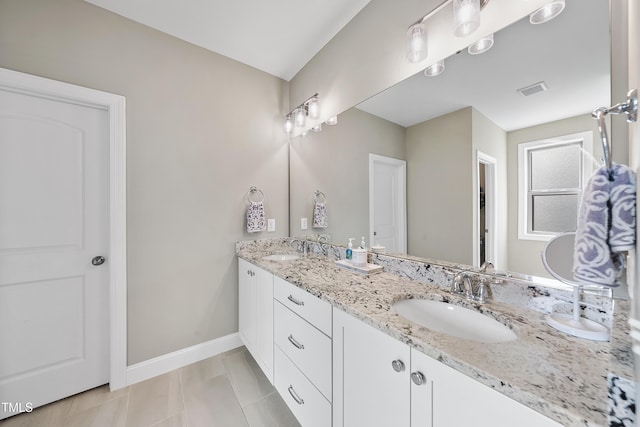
(162, 364)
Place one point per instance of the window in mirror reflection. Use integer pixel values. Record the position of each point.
(551, 176)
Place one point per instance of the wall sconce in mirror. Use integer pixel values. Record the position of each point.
(466, 19)
(547, 12)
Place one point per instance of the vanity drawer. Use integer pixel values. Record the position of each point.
(301, 302)
(308, 348)
(305, 401)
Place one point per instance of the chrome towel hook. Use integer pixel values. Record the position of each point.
(630, 108)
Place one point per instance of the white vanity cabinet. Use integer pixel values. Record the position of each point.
(380, 381)
(255, 306)
(370, 376)
(302, 335)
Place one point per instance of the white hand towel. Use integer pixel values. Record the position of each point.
(255, 217)
(319, 215)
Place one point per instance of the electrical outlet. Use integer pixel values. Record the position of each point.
(271, 225)
(303, 224)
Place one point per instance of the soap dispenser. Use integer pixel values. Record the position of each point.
(349, 253)
(363, 245)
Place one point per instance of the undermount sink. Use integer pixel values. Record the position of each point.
(281, 257)
(454, 320)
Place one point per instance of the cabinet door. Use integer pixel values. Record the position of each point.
(264, 321)
(459, 400)
(246, 303)
(368, 391)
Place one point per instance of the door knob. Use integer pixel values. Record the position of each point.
(98, 260)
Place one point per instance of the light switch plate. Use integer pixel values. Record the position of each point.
(271, 224)
(303, 224)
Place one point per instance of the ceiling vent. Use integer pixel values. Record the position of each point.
(534, 88)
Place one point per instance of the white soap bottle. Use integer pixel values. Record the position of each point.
(363, 245)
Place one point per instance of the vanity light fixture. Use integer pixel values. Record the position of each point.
(466, 19)
(481, 46)
(298, 116)
(332, 121)
(434, 69)
(317, 128)
(547, 12)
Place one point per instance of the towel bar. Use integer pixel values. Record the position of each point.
(630, 108)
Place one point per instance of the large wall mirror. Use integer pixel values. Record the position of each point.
(459, 135)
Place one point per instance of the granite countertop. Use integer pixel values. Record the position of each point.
(562, 377)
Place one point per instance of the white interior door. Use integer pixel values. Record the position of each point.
(54, 219)
(387, 203)
(486, 224)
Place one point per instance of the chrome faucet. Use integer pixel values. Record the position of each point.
(487, 265)
(303, 245)
(463, 284)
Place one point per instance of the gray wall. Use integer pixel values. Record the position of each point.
(336, 162)
(201, 129)
(440, 187)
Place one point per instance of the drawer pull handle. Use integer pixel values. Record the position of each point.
(295, 343)
(295, 301)
(295, 396)
(397, 365)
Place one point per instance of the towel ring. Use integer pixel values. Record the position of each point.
(319, 197)
(252, 192)
(630, 108)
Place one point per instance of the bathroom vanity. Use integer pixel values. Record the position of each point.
(339, 354)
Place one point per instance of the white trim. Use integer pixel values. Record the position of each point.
(491, 209)
(115, 105)
(401, 166)
(177, 359)
(523, 171)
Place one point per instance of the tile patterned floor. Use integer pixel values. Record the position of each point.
(227, 390)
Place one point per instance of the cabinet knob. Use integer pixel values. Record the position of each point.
(397, 365)
(417, 377)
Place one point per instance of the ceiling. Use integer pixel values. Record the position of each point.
(571, 54)
(276, 36)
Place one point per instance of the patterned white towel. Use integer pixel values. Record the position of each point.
(606, 226)
(319, 215)
(255, 217)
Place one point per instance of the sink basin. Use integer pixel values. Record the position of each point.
(281, 257)
(453, 320)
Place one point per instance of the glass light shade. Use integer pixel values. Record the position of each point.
(313, 107)
(301, 116)
(434, 69)
(288, 124)
(547, 12)
(317, 128)
(481, 46)
(332, 121)
(417, 49)
(466, 17)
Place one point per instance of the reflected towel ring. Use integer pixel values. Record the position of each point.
(319, 197)
(253, 191)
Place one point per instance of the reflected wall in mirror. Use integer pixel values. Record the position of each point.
(440, 124)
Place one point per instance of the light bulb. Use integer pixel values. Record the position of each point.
(417, 48)
(288, 124)
(332, 121)
(466, 17)
(313, 107)
(301, 116)
(317, 128)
